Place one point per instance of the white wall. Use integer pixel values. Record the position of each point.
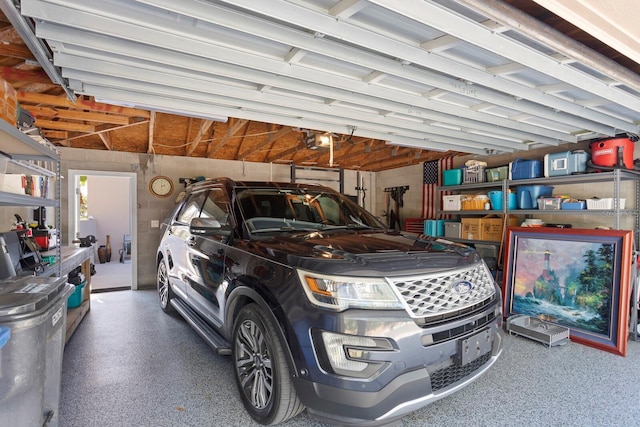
(407, 176)
(108, 203)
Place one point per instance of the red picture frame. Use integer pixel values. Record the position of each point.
(576, 278)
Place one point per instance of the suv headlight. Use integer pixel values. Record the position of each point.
(341, 292)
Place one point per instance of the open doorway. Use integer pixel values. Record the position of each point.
(102, 204)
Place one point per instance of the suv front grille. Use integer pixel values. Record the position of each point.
(436, 296)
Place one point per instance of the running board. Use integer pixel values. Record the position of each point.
(213, 338)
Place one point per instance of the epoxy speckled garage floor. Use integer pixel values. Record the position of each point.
(130, 364)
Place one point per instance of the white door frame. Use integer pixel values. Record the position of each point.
(74, 211)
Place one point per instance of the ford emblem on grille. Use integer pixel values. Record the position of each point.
(462, 287)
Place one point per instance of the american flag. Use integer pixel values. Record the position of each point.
(432, 178)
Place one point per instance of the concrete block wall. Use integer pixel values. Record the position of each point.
(150, 208)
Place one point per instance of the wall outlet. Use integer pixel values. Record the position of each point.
(155, 223)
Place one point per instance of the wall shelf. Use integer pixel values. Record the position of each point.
(615, 214)
(31, 154)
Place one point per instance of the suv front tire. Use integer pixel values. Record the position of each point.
(262, 373)
(164, 290)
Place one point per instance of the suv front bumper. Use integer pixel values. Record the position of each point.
(419, 376)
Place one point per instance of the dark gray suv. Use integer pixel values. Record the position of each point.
(321, 306)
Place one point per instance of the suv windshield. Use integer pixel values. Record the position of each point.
(287, 209)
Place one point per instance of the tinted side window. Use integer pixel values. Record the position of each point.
(191, 207)
(216, 206)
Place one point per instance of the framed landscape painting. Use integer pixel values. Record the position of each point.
(576, 278)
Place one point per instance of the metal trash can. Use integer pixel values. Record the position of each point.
(35, 311)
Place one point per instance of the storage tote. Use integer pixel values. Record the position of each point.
(473, 174)
(452, 202)
(528, 195)
(434, 227)
(497, 174)
(453, 230)
(75, 299)
(605, 203)
(452, 177)
(526, 169)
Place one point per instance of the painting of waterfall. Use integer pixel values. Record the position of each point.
(577, 278)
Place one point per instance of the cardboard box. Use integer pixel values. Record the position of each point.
(486, 228)
(471, 228)
(491, 227)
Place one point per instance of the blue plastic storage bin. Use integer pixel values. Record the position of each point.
(574, 205)
(525, 169)
(452, 177)
(528, 195)
(434, 227)
(496, 198)
(75, 299)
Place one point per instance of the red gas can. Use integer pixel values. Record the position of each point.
(612, 152)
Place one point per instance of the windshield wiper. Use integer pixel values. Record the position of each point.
(284, 228)
(362, 226)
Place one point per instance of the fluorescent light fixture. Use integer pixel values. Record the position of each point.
(424, 145)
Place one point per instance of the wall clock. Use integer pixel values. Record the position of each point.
(161, 186)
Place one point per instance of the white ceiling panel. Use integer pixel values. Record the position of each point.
(440, 75)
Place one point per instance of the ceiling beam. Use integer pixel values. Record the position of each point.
(13, 75)
(162, 84)
(347, 8)
(39, 111)
(84, 104)
(369, 40)
(106, 140)
(270, 139)
(67, 126)
(55, 134)
(233, 127)
(301, 76)
(205, 125)
(152, 128)
(280, 155)
(98, 131)
(19, 51)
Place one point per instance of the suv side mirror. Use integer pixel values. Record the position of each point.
(208, 226)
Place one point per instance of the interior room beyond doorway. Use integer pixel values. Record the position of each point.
(101, 206)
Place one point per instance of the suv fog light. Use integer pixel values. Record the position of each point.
(337, 347)
(342, 349)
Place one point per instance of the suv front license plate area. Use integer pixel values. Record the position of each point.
(474, 346)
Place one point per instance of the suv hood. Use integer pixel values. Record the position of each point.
(369, 253)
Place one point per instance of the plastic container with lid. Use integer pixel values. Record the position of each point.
(34, 308)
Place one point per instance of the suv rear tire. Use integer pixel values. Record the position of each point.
(262, 372)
